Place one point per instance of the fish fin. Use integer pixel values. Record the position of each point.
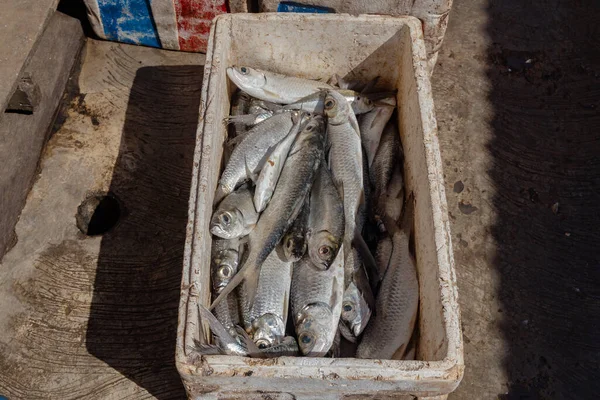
(370, 85)
(251, 285)
(354, 123)
(246, 119)
(253, 350)
(375, 121)
(335, 296)
(271, 94)
(369, 263)
(207, 349)
(215, 325)
(346, 333)
(246, 271)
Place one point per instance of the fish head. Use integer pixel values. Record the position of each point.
(246, 77)
(355, 310)
(361, 104)
(312, 133)
(294, 246)
(336, 108)
(323, 247)
(227, 224)
(226, 264)
(315, 329)
(268, 330)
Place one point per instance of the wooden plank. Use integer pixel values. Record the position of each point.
(22, 136)
(21, 24)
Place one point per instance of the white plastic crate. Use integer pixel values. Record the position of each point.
(317, 46)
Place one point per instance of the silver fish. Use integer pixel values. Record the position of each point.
(314, 103)
(389, 332)
(371, 127)
(269, 175)
(358, 301)
(345, 160)
(326, 220)
(292, 188)
(249, 155)
(235, 216)
(271, 303)
(224, 264)
(294, 241)
(316, 304)
(227, 344)
(270, 86)
(387, 156)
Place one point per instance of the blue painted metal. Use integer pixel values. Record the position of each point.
(129, 21)
(291, 6)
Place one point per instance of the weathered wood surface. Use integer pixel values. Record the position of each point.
(23, 136)
(95, 317)
(21, 24)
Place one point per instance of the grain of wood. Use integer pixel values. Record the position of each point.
(95, 317)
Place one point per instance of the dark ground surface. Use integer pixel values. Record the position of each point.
(526, 210)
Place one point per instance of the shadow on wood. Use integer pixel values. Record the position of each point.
(133, 318)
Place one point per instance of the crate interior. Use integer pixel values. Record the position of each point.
(316, 49)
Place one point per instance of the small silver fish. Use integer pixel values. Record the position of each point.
(271, 86)
(389, 332)
(227, 344)
(358, 301)
(326, 220)
(371, 127)
(248, 157)
(345, 160)
(316, 300)
(235, 216)
(269, 175)
(271, 303)
(292, 188)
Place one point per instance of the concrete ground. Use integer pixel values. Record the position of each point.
(517, 90)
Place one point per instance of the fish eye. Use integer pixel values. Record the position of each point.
(329, 104)
(244, 70)
(324, 251)
(290, 243)
(310, 127)
(226, 218)
(347, 307)
(305, 338)
(225, 271)
(262, 344)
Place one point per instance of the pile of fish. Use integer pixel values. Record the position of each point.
(310, 220)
